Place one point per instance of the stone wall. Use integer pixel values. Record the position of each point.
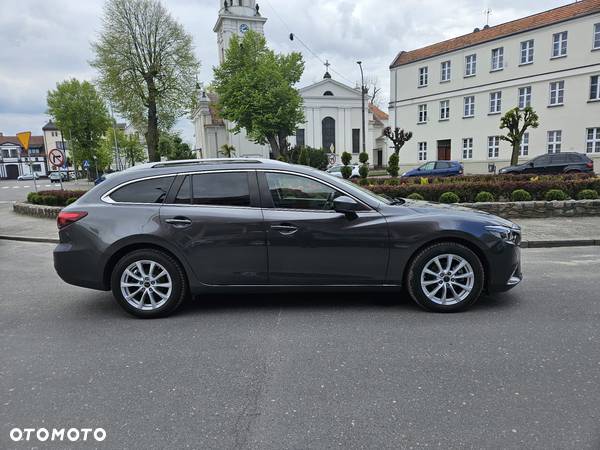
(28, 209)
(540, 209)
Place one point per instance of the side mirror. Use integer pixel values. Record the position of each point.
(346, 205)
(531, 164)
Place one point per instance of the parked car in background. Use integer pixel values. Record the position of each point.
(437, 169)
(336, 171)
(167, 230)
(28, 176)
(557, 163)
(56, 177)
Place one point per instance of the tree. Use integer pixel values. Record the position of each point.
(346, 170)
(517, 122)
(173, 148)
(363, 170)
(78, 110)
(256, 91)
(373, 89)
(228, 151)
(398, 137)
(146, 66)
(393, 165)
(132, 150)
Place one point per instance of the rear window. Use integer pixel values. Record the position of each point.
(153, 190)
(215, 189)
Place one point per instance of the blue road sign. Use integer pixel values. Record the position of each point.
(86, 164)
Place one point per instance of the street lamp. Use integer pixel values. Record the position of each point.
(362, 91)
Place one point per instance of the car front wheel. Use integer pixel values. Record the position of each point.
(445, 277)
(149, 283)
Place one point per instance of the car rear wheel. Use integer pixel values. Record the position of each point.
(445, 277)
(149, 283)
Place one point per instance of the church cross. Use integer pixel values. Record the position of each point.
(327, 65)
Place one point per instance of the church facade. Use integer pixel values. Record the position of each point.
(332, 110)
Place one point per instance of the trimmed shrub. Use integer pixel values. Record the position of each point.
(363, 171)
(392, 182)
(484, 197)
(588, 194)
(71, 200)
(449, 197)
(363, 157)
(415, 196)
(520, 195)
(393, 165)
(346, 171)
(346, 158)
(363, 182)
(53, 198)
(555, 194)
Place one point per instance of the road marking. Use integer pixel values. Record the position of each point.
(16, 187)
(5, 187)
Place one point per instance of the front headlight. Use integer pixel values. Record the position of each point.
(507, 234)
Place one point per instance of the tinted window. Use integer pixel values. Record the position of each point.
(574, 158)
(225, 189)
(296, 192)
(146, 191)
(442, 165)
(428, 166)
(184, 196)
(541, 161)
(559, 159)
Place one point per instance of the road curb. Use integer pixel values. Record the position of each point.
(29, 239)
(561, 243)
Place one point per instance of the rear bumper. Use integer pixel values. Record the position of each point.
(77, 267)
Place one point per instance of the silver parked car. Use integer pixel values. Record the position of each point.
(336, 171)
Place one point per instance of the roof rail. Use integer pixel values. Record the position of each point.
(196, 162)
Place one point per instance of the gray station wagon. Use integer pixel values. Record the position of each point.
(161, 232)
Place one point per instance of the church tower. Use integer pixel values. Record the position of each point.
(237, 17)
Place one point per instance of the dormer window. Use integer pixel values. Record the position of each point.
(328, 93)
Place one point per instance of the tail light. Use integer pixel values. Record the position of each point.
(68, 217)
(590, 164)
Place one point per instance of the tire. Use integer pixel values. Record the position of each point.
(152, 294)
(460, 290)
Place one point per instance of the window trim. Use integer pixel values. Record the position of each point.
(106, 198)
(595, 141)
(558, 90)
(467, 149)
(529, 49)
(465, 105)
(473, 65)
(596, 35)
(554, 142)
(525, 96)
(425, 76)
(496, 101)
(449, 71)
(597, 98)
(560, 42)
(500, 59)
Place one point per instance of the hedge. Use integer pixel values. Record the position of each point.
(501, 190)
(53, 198)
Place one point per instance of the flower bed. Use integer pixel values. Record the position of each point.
(54, 198)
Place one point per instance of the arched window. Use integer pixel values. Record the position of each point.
(328, 131)
(328, 93)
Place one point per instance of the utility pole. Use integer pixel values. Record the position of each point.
(362, 90)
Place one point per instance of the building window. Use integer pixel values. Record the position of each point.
(595, 88)
(422, 113)
(493, 146)
(36, 167)
(498, 58)
(423, 76)
(524, 97)
(470, 65)
(593, 140)
(469, 106)
(524, 148)
(422, 151)
(328, 94)
(328, 131)
(527, 52)
(597, 36)
(444, 109)
(559, 44)
(446, 71)
(300, 137)
(554, 141)
(557, 93)
(495, 102)
(467, 148)
(356, 140)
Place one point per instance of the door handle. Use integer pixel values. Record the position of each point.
(179, 221)
(286, 230)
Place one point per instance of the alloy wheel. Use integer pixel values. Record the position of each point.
(447, 279)
(146, 285)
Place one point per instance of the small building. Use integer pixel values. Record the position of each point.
(14, 161)
(452, 94)
(53, 139)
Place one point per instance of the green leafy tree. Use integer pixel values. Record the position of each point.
(256, 91)
(173, 148)
(81, 114)
(398, 137)
(146, 66)
(393, 165)
(228, 151)
(132, 150)
(517, 122)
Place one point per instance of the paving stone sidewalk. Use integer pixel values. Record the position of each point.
(534, 230)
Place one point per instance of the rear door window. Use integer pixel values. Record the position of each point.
(541, 161)
(442, 165)
(153, 190)
(221, 189)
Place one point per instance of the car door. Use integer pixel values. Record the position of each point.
(427, 169)
(215, 220)
(540, 165)
(442, 168)
(311, 244)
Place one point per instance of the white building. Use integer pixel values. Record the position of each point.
(453, 93)
(333, 111)
(53, 139)
(14, 161)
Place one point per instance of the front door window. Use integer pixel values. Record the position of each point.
(296, 192)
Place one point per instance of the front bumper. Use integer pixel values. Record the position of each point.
(504, 271)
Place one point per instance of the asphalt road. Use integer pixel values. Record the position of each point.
(13, 190)
(520, 370)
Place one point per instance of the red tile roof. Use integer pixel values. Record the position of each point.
(556, 15)
(34, 141)
(378, 114)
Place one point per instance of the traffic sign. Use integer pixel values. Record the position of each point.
(86, 164)
(56, 157)
(24, 140)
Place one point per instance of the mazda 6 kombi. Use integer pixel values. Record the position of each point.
(159, 233)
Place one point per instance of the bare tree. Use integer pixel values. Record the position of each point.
(146, 64)
(373, 89)
(516, 122)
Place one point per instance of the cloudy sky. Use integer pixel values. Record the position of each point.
(43, 42)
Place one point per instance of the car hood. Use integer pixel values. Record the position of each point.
(517, 167)
(430, 208)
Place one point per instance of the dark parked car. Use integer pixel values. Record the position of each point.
(436, 169)
(162, 231)
(556, 163)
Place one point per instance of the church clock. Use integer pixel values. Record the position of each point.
(244, 28)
